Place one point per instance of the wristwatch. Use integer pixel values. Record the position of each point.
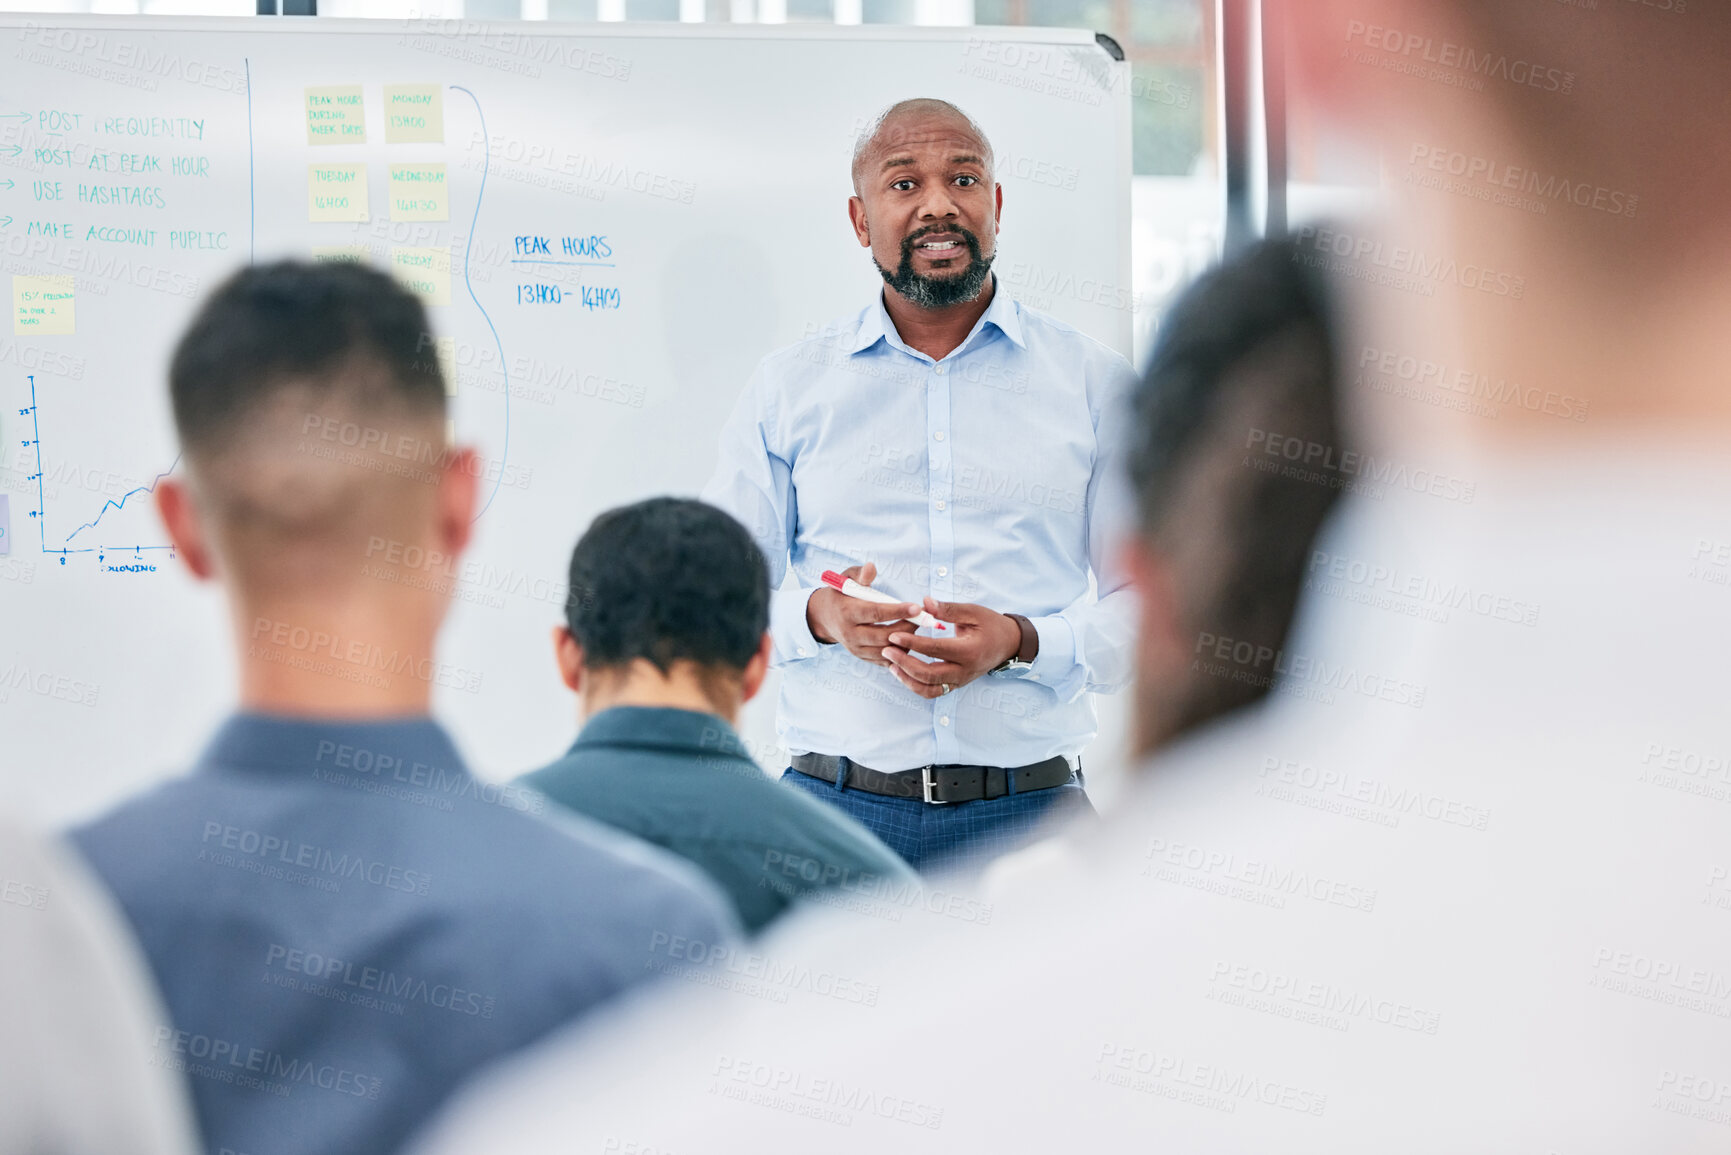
(1023, 657)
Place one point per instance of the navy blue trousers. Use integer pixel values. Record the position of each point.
(959, 836)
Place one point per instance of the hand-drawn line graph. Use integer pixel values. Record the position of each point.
(40, 513)
(121, 504)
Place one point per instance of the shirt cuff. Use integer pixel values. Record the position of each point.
(1057, 654)
(788, 630)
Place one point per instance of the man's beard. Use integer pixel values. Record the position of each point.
(929, 292)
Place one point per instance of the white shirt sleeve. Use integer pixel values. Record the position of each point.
(1089, 645)
(755, 484)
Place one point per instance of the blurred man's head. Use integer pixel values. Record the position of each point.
(1628, 96)
(1574, 146)
(1244, 361)
(925, 202)
(312, 423)
(669, 605)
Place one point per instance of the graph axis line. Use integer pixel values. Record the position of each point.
(42, 499)
(41, 503)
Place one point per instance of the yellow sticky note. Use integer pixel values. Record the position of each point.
(419, 193)
(414, 114)
(425, 272)
(42, 306)
(341, 254)
(337, 192)
(336, 115)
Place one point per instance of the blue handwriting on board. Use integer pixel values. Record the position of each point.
(193, 239)
(599, 297)
(590, 246)
(121, 504)
(589, 296)
(586, 246)
(583, 252)
(539, 294)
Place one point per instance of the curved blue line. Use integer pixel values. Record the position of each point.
(504, 366)
(122, 502)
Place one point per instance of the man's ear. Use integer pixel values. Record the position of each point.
(998, 212)
(856, 216)
(180, 516)
(757, 669)
(569, 655)
(458, 490)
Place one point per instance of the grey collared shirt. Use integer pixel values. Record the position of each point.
(345, 923)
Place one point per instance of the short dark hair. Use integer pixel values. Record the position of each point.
(1250, 347)
(666, 579)
(297, 324)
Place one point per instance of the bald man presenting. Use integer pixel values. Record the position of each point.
(945, 443)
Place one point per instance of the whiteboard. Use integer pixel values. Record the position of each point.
(598, 215)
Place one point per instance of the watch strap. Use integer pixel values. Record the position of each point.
(1027, 651)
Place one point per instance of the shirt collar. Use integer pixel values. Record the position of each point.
(663, 728)
(876, 325)
(1003, 313)
(275, 744)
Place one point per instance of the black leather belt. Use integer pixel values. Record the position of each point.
(937, 784)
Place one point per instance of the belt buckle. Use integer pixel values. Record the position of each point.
(927, 785)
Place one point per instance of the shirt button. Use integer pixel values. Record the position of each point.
(943, 571)
(942, 369)
(1035, 677)
(939, 435)
(940, 505)
(803, 651)
(943, 721)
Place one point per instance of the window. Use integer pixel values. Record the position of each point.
(1175, 205)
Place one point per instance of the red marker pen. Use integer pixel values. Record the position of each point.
(866, 594)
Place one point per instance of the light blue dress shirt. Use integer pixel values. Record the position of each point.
(989, 476)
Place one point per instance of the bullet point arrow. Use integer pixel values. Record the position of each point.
(13, 151)
(8, 184)
(15, 116)
(4, 221)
